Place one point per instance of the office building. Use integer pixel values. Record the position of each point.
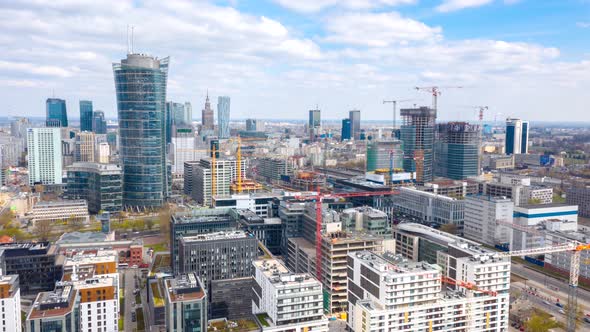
(19, 126)
(99, 184)
(287, 302)
(195, 222)
(188, 113)
(86, 114)
(56, 114)
(269, 231)
(365, 219)
(212, 178)
(177, 113)
(45, 155)
(183, 148)
(84, 149)
(417, 135)
(37, 265)
(223, 106)
(451, 188)
(207, 117)
(104, 153)
(314, 124)
(431, 208)
(217, 256)
(384, 155)
(140, 82)
(457, 150)
(482, 214)
(498, 162)
(186, 304)
(99, 124)
(56, 310)
(345, 133)
(579, 195)
(261, 204)
(390, 293)
(231, 298)
(273, 168)
(518, 189)
(256, 125)
(517, 136)
(560, 261)
(60, 211)
(10, 303)
(355, 124)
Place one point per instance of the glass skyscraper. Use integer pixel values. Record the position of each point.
(99, 124)
(86, 115)
(517, 136)
(56, 114)
(456, 154)
(355, 124)
(345, 129)
(417, 135)
(223, 116)
(140, 82)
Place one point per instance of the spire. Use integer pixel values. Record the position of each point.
(207, 96)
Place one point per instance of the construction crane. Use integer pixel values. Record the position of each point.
(435, 91)
(574, 247)
(395, 102)
(318, 198)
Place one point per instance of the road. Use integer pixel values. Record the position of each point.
(129, 298)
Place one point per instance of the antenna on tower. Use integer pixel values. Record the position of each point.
(132, 27)
(127, 38)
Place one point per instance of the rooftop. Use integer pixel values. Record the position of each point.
(228, 235)
(185, 287)
(392, 264)
(279, 275)
(56, 303)
(546, 206)
(82, 237)
(101, 256)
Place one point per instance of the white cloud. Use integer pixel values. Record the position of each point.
(378, 30)
(453, 5)
(312, 6)
(583, 25)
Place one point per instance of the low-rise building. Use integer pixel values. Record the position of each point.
(60, 211)
(186, 304)
(269, 231)
(259, 203)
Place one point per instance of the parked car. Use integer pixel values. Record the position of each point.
(559, 305)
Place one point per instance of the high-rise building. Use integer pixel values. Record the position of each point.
(457, 151)
(273, 168)
(186, 304)
(384, 154)
(86, 115)
(84, 149)
(45, 157)
(223, 105)
(99, 124)
(188, 113)
(177, 113)
(140, 82)
(183, 149)
(285, 301)
(355, 124)
(99, 184)
(204, 185)
(482, 214)
(579, 195)
(10, 303)
(207, 117)
(56, 114)
(345, 134)
(417, 135)
(254, 125)
(314, 123)
(104, 153)
(517, 136)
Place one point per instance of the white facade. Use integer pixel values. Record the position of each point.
(541, 216)
(60, 211)
(482, 214)
(257, 203)
(99, 315)
(183, 149)
(45, 157)
(104, 153)
(291, 302)
(10, 304)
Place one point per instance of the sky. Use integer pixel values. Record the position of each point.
(279, 58)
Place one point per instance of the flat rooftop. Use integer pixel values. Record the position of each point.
(184, 287)
(279, 275)
(56, 303)
(391, 264)
(229, 235)
(101, 256)
(545, 206)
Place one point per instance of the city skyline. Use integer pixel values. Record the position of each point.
(306, 50)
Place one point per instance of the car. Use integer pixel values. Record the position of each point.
(586, 319)
(559, 305)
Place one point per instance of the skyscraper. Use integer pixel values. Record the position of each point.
(85, 146)
(417, 135)
(188, 113)
(314, 124)
(517, 136)
(99, 124)
(207, 120)
(45, 162)
(254, 125)
(56, 114)
(86, 115)
(345, 129)
(140, 82)
(177, 113)
(457, 150)
(223, 103)
(355, 124)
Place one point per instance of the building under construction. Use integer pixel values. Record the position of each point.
(384, 154)
(457, 150)
(417, 134)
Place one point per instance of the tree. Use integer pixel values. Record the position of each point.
(43, 229)
(164, 218)
(449, 228)
(74, 223)
(149, 223)
(6, 218)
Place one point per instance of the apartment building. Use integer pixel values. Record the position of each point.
(185, 303)
(209, 178)
(365, 219)
(482, 214)
(56, 310)
(286, 302)
(10, 303)
(272, 168)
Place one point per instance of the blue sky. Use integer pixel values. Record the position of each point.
(279, 58)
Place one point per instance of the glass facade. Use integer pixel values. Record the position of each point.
(510, 132)
(86, 115)
(355, 124)
(524, 142)
(345, 129)
(99, 124)
(223, 104)
(99, 184)
(417, 135)
(56, 114)
(140, 82)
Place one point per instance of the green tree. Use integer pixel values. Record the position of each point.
(149, 223)
(164, 218)
(6, 218)
(74, 223)
(449, 228)
(539, 323)
(42, 229)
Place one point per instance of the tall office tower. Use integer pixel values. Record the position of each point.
(417, 135)
(223, 104)
(384, 154)
(517, 136)
(457, 151)
(10, 303)
(345, 134)
(482, 214)
(45, 160)
(18, 127)
(85, 149)
(182, 149)
(140, 82)
(286, 301)
(207, 117)
(185, 303)
(99, 124)
(86, 115)
(98, 184)
(188, 113)
(177, 113)
(104, 153)
(204, 186)
(218, 256)
(314, 124)
(389, 293)
(355, 124)
(56, 114)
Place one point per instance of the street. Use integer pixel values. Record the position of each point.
(129, 298)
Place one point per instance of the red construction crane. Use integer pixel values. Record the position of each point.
(318, 198)
(435, 91)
